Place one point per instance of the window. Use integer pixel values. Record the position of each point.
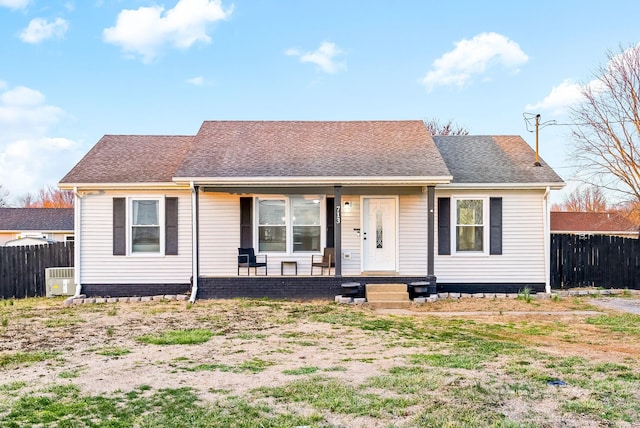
(478, 225)
(470, 225)
(289, 224)
(145, 226)
(306, 224)
(272, 225)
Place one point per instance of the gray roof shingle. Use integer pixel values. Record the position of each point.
(37, 219)
(313, 149)
(493, 159)
(296, 149)
(131, 159)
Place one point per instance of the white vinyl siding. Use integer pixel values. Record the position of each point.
(413, 234)
(351, 242)
(98, 264)
(219, 222)
(523, 250)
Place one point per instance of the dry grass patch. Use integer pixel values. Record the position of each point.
(250, 363)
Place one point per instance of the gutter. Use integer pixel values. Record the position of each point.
(194, 243)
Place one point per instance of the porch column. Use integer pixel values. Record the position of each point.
(337, 229)
(431, 192)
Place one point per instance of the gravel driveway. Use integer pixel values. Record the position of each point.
(625, 305)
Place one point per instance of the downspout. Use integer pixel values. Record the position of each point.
(194, 243)
(547, 242)
(77, 239)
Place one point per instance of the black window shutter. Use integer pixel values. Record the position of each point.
(119, 226)
(246, 226)
(444, 228)
(171, 226)
(495, 226)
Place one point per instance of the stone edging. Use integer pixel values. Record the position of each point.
(84, 300)
(539, 296)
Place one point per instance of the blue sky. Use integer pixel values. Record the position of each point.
(72, 71)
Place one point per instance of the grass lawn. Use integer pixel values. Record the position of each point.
(264, 363)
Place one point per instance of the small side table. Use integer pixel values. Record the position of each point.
(288, 262)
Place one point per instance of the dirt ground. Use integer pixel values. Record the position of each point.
(249, 333)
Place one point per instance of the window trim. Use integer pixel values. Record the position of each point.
(161, 225)
(288, 223)
(485, 225)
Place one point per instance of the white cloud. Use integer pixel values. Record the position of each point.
(147, 30)
(22, 96)
(30, 158)
(196, 81)
(472, 58)
(40, 29)
(15, 4)
(559, 99)
(324, 57)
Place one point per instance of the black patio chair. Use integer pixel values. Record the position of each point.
(247, 258)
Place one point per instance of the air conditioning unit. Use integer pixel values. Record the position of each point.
(60, 281)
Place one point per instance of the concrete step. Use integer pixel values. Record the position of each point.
(387, 296)
(386, 287)
(404, 304)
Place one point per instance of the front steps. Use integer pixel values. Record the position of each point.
(387, 296)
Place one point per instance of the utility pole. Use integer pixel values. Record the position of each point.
(537, 162)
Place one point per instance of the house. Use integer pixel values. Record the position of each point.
(167, 214)
(593, 223)
(30, 226)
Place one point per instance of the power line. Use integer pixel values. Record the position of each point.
(530, 117)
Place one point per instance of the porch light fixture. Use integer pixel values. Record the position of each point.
(347, 206)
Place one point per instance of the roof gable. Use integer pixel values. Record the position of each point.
(493, 159)
(313, 149)
(37, 219)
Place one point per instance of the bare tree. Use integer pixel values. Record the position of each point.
(4, 197)
(49, 197)
(449, 128)
(583, 199)
(631, 210)
(606, 126)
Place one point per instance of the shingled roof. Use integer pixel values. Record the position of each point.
(131, 159)
(37, 219)
(493, 159)
(611, 223)
(277, 151)
(313, 149)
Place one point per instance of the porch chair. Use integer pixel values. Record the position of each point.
(247, 258)
(326, 261)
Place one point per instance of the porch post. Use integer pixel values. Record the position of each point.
(431, 191)
(337, 229)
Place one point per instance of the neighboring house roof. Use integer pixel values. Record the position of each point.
(591, 222)
(37, 219)
(493, 159)
(292, 151)
(28, 241)
(131, 159)
(314, 149)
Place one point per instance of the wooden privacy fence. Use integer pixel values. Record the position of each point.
(594, 261)
(22, 269)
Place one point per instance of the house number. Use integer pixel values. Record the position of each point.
(338, 214)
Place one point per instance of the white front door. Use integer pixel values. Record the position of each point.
(379, 234)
